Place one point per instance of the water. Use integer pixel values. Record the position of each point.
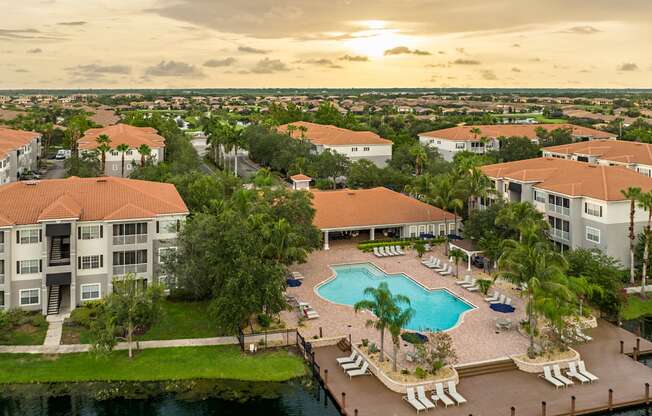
(434, 309)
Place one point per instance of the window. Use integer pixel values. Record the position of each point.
(28, 236)
(354, 149)
(539, 196)
(366, 149)
(114, 153)
(130, 229)
(593, 234)
(2, 299)
(28, 266)
(168, 226)
(164, 253)
(460, 146)
(559, 228)
(593, 209)
(129, 257)
(130, 152)
(442, 229)
(90, 291)
(90, 232)
(559, 204)
(413, 230)
(30, 297)
(90, 262)
(451, 228)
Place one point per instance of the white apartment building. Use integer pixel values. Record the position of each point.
(133, 137)
(353, 144)
(20, 152)
(583, 203)
(63, 241)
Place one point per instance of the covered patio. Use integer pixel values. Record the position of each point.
(467, 247)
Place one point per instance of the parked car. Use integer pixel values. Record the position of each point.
(480, 261)
(62, 154)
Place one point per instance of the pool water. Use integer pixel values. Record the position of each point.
(435, 310)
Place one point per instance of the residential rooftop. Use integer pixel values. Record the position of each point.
(571, 178)
(87, 199)
(132, 136)
(614, 150)
(11, 139)
(322, 134)
(494, 131)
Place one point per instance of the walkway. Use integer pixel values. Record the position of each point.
(55, 329)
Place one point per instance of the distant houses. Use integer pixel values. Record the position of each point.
(19, 153)
(355, 145)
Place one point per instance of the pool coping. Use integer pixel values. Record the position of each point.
(333, 276)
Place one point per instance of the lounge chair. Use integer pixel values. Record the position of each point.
(452, 391)
(501, 299)
(493, 297)
(583, 371)
(421, 396)
(297, 276)
(547, 375)
(395, 250)
(390, 250)
(470, 283)
(399, 250)
(572, 372)
(428, 261)
(448, 271)
(411, 398)
(344, 360)
(556, 371)
(441, 396)
(310, 313)
(377, 252)
(354, 365)
(467, 279)
(362, 371)
(580, 334)
(442, 266)
(508, 301)
(435, 264)
(473, 288)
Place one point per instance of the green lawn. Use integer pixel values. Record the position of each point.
(29, 329)
(182, 320)
(636, 308)
(222, 362)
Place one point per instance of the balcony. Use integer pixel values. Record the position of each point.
(559, 209)
(129, 268)
(2, 248)
(560, 234)
(2, 279)
(122, 240)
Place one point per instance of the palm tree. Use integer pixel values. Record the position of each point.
(475, 131)
(383, 305)
(420, 157)
(645, 202)
(122, 148)
(144, 151)
(445, 194)
(521, 216)
(584, 289)
(103, 147)
(399, 320)
(631, 193)
(477, 185)
(457, 255)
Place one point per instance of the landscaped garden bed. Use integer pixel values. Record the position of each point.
(19, 327)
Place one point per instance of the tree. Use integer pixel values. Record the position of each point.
(515, 148)
(122, 148)
(330, 165)
(633, 194)
(584, 290)
(384, 305)
(477, 185)
(145, 151)
(399, 319)
(521, 216)
(103, 147)
(445, 194)
(645, 203)
(420, 157)
(457, 255)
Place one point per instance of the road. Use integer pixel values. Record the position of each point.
(246, 167)
(55, 169)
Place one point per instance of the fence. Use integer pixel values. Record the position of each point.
(277, 338)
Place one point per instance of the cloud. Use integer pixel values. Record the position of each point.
(322, 62)
(173, 69)
(100, 69)
(515, 69)
(462, 61)
(216, 63)
(582, 30)
(535, 59)
(354, 58)
(628, 67)
(76, 23)
(269, 66)
(21, 71)
(404, 50)
(488, 74)
(249, 49)
(28, 34)
(35, 50)
(516, 45)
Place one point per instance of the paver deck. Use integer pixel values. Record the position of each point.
(494, 394)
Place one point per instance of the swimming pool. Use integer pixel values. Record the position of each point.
(435, 310)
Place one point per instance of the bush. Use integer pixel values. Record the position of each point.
(484, 285)
(365, 342)
(85, 315)
(420, 373)
(373, 348)
(413, 338)
(264, 320)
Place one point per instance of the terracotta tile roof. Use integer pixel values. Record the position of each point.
(616, 150)
(123, 133)
(321, 134)
(13, 139)
(366, 207)
(88, 199)
(571, 178)
(493, 131)
(300, 177)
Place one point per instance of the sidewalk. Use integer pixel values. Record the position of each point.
(55, 329)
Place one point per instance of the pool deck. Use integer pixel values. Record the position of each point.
(475, 339)
(494, 394)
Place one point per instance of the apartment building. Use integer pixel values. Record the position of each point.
(451, 141)
(633, 155)
(133, 137)
(19, 153)
(355, 145)
(63, 241)
(582, 202)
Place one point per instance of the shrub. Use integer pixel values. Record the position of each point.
(484, 285)
(365, 342)
(373, 348)
(264, 320)
(87, 314)
(420, 373)
(405, 372)
(412, 338)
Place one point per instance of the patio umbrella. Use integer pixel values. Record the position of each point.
(501, 307)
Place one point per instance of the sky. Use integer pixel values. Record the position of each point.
(325, 43)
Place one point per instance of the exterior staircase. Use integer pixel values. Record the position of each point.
(489, 367)
(54, 300)
(55, 251)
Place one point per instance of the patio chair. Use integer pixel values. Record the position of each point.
(344, 360)
(363, 371)
(547, 375)
(501, 299)
(467, 279)
(382, 252)
(427, 261)
(399, 250)
(473, 288)
(310, 313)
(441, 396)
(572, 372)
(297, 276)
(556, 372)
(377, 253)
(447, 272)
(452, 391)
(583, 371)
(421, 396)
(470, 283)
(436, 264)
(580, 334)
(391, 250)
(493, 297)
(354, 365)
(411, 398)
(508, 301)
(442, 266)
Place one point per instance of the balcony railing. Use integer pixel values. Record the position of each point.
(563, 235)
(121, 240)
(129, 268)
(559, 209)
(2, 248)
(2, 279)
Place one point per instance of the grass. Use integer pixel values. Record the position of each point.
(221, 362)
(182, 320)
(636, 308)
(29, 329)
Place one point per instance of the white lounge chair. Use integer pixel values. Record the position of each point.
(428, 260)
(344, 360)
(377, 253)
(467, 279)
(493, 297)
(435, 264)
(442, 266)
(547, 375)
(572, 372)
(501, 299)
(452, 391)
(421, 396)
(583, 371)
(508, 301)
(362, 371)
(354, 365)
(310, 313)
(473, 288)
(556, 372)
(580, 334)
(399, 250)
(390, 250)
(411, 398)
(296, 276)
(447, 272)
(470, 283)
(441, 396)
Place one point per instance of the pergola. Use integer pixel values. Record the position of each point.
(467, 247)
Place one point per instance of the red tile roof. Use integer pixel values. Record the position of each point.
(300, 177)
(123, 134)
(87, 199)
(615, 150)
(13, 139)
(366, 207)
(493, 131)
(321, 134)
